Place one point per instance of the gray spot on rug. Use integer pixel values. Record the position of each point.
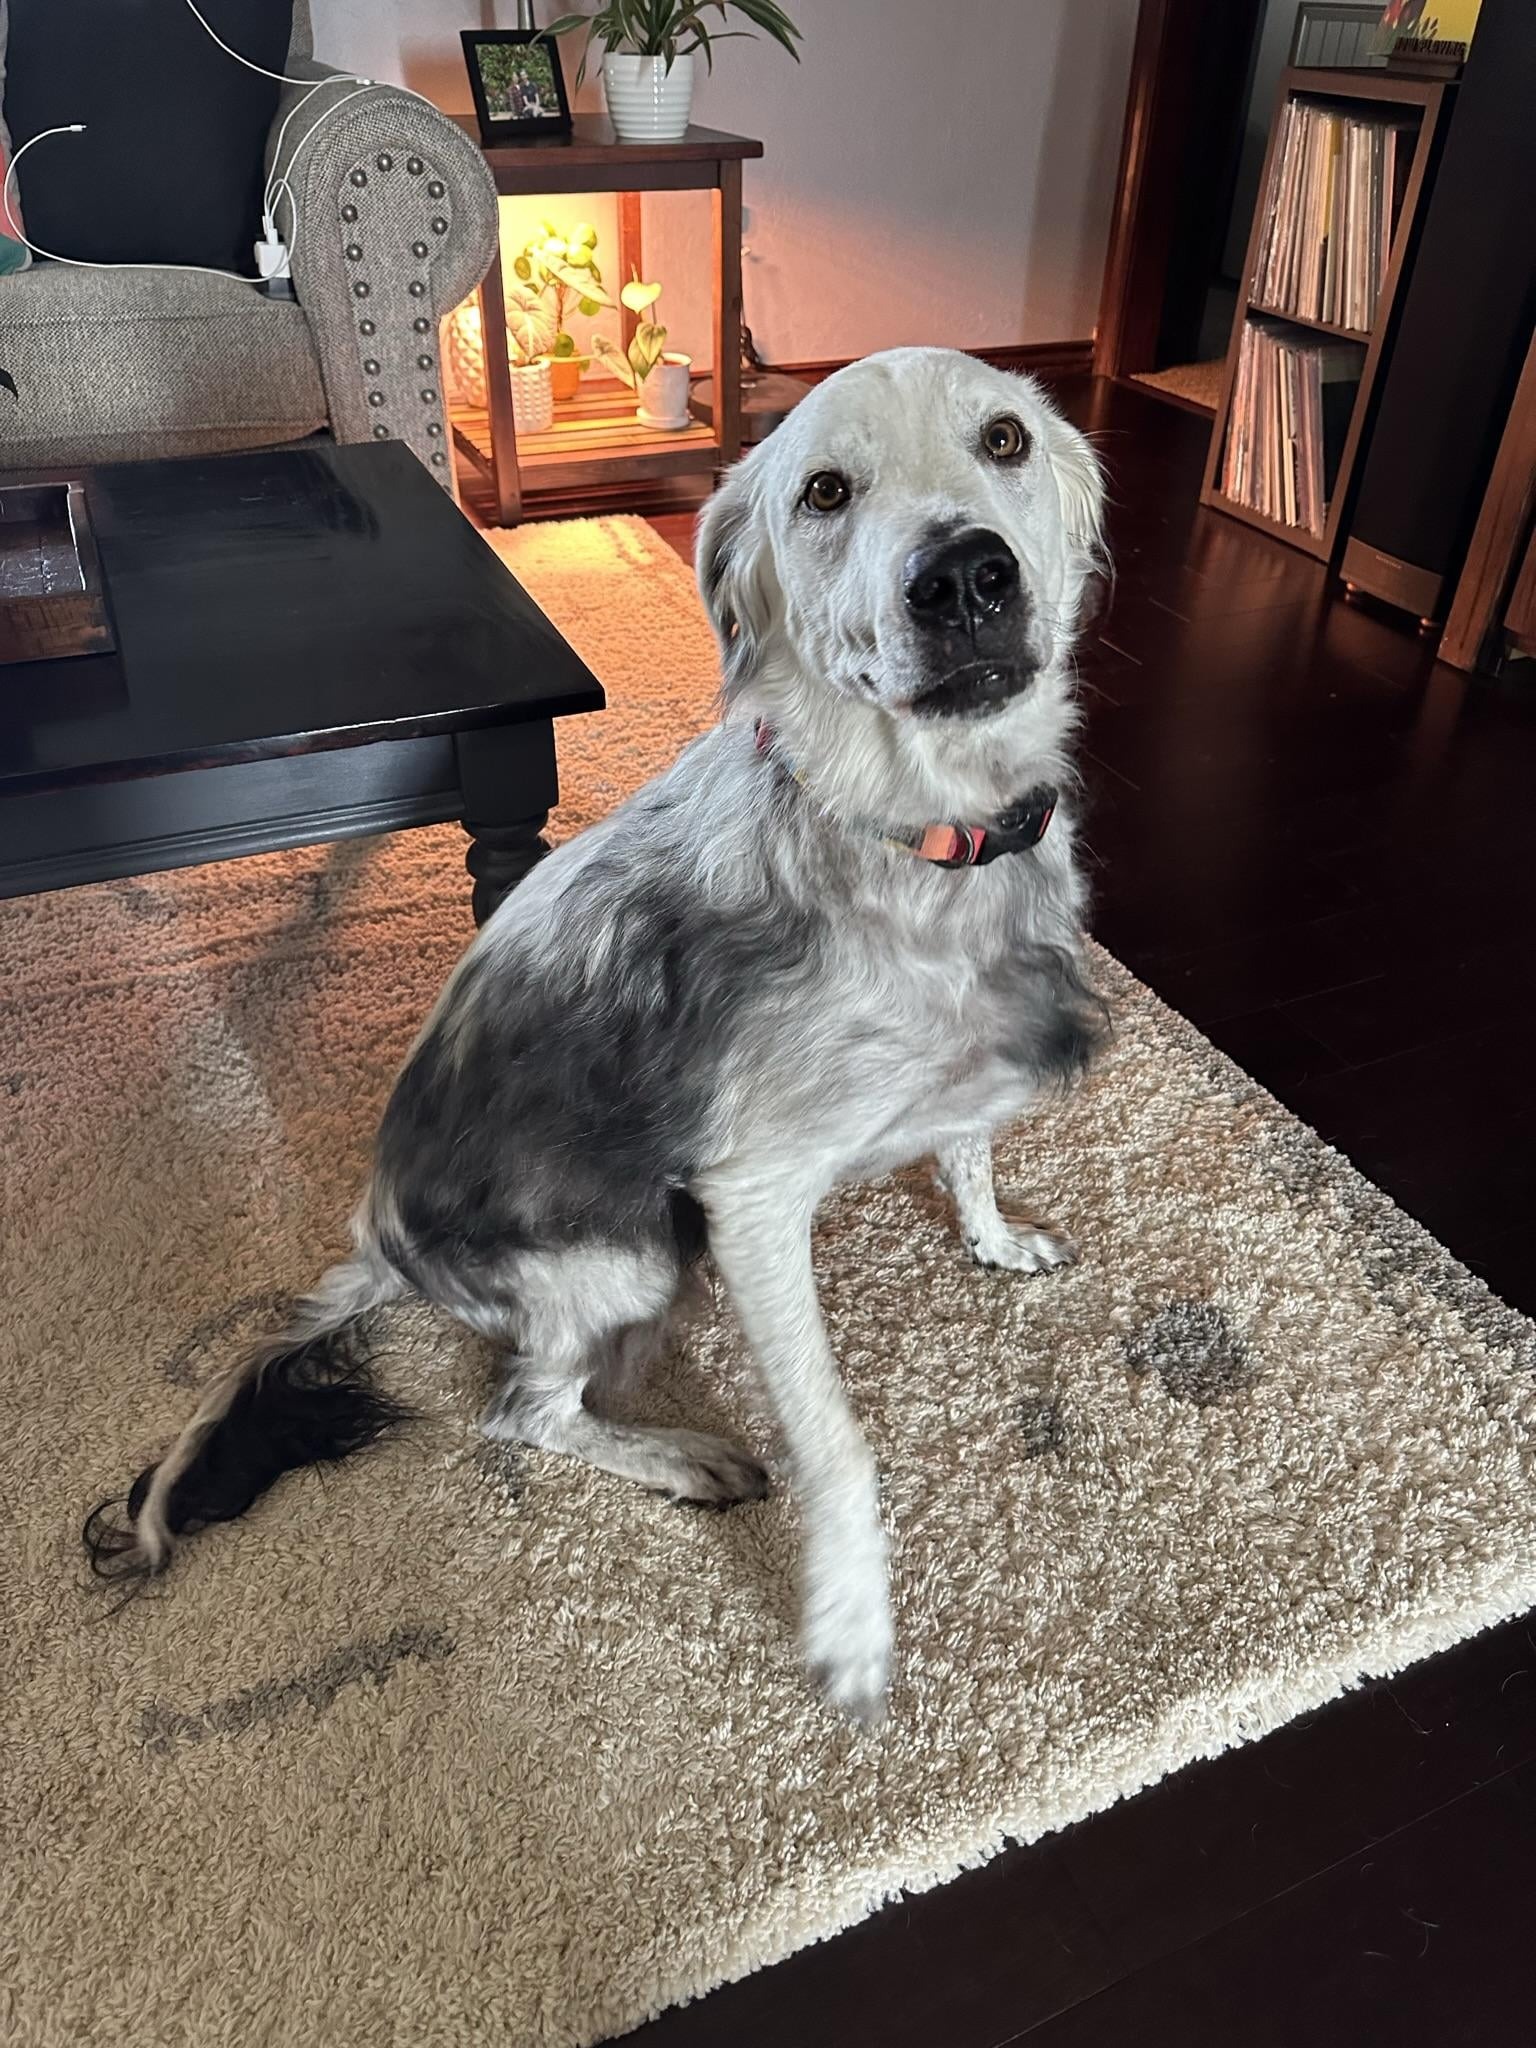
(1041, 1424)
(1194, 1351)
(162, 1727)
(501, 1465)
(188, 1364)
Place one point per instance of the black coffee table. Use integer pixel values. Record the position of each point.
(312, 642)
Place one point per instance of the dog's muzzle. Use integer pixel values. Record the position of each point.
(969, 612)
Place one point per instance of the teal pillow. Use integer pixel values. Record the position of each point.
(14, 255)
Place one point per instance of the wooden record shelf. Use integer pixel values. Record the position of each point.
(1357, 91)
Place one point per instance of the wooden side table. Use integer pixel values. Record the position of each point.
(597, 439)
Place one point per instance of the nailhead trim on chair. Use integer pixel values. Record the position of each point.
(371, 222)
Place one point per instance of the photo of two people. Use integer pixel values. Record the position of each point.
(520, 83)
(517, 83)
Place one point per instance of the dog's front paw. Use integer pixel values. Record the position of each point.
(848, 1648)
(1019, 1244)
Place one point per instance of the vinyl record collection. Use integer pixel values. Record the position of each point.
(1334, 192)
(1290, 411)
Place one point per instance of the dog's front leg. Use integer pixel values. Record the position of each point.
(993, 1236)
(762, 1248)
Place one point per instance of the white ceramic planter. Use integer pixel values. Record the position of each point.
(533, 397)
(664, 394)
(646, 101)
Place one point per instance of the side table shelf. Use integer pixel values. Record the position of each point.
(596, 438)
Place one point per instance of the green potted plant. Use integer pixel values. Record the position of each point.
(648, 52)
(563, 270)
(658, 376)
(530, 337)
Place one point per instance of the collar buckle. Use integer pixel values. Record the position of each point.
(1022, 826)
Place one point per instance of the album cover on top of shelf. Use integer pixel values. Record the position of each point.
(1427, 38)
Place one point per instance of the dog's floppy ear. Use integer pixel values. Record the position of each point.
(1080, 482)
(1080, 490)
(735, 573)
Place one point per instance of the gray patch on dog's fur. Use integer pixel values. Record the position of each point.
(559, 1101)
(1194, 1351)
(162, 1727)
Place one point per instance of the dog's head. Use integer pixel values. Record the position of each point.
(915, 537)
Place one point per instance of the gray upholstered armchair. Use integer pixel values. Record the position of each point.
(396, 223)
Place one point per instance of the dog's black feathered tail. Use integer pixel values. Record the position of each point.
(303, 1397)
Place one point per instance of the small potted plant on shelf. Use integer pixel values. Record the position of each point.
(648, 52)
(530, 337)
(563, 270)
(657, 376)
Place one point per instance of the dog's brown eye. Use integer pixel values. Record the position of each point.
(827, 491)
(1005, 438)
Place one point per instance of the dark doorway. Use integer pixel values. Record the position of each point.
(1204, 79)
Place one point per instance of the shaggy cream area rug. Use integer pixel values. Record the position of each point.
(1198, 382)
(459, 1744)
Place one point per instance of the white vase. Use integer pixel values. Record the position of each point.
(533, 397)
(664, 394)
(646, 101)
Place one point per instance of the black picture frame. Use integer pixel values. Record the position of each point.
(493, 104)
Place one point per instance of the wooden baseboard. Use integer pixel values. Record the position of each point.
(1054, 358)
(686, 494)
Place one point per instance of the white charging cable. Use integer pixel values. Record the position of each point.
(271, 249)
(260, 69)
(14, 229)
(271, 252)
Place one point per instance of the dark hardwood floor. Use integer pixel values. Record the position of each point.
(1320, 845)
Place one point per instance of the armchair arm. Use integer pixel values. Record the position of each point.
(392, 221)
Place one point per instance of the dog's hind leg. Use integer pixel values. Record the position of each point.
(585, 1312)
(993, 1236)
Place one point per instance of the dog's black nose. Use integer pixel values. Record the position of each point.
(962, 582)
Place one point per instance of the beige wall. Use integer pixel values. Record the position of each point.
(936, 170)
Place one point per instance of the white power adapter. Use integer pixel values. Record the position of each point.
(271, 251)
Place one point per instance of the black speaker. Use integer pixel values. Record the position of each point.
(1465, 323)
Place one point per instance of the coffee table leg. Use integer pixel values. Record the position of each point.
(508, 779)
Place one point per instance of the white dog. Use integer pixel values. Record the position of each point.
(840, 933)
